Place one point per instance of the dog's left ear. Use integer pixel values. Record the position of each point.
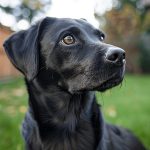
(23, 47)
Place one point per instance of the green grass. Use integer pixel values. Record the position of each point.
(127, 106)
(13, 102)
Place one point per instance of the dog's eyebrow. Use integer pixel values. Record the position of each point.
(98, 32)
(73, 29)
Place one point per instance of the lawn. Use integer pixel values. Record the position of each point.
(127, 105)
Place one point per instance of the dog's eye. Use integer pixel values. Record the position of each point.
(68, 40)
(102, 37)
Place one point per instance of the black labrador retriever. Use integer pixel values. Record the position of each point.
(64, 61)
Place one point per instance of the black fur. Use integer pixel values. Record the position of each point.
(61, 79)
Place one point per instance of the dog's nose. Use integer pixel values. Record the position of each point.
(115, 55)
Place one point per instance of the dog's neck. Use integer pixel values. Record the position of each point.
(64, 115)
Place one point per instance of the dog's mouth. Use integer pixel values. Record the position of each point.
(110, 83)
(107, 84)
(97, 83)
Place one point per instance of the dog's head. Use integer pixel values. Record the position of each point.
(73, 49)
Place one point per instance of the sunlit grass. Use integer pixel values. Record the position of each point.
(128, 106)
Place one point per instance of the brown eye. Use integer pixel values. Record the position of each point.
(68, 40)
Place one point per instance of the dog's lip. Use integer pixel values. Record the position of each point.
(109, 84)
(112, 81)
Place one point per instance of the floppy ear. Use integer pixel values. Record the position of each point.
(22, 49)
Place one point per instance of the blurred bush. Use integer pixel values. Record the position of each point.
(26, 9)
(145, 52)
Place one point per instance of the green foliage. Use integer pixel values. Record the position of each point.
(128, 106)
(134, 3)
(137, 4)
(145, 52)
(26, 9)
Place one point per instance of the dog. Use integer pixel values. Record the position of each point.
(64, 61)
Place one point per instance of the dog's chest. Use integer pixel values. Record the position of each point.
(81, 139)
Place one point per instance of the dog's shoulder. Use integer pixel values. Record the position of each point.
(120, 138)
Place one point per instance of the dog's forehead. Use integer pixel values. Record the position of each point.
(76, 22)
(65, 23)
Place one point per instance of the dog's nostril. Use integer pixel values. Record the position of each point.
(124, 55)
(115, 55)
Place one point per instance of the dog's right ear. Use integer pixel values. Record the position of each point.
(23, 47)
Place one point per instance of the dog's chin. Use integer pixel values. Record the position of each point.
(110, 83)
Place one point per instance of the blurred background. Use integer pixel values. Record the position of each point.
(126, 24)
